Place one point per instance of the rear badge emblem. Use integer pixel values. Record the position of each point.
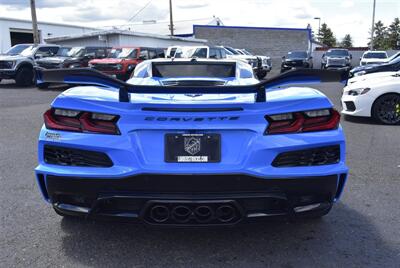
(192, 145)
(193, 95)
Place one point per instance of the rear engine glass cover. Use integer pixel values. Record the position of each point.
(189, 69)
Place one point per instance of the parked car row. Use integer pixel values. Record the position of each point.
(333, 59)
(19, 62)
(391, 64)
(261, 64)
(296, 59)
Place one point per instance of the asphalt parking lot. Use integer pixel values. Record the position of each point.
(362, 230)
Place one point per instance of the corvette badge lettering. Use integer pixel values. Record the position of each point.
(192, 119)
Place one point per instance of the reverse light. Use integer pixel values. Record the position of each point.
(79, 121)
(307, 121)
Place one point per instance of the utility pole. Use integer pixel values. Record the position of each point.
(372, 27)
(171, 21)
(319, 27)
(34, 23)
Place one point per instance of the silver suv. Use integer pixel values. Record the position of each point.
(19, 61)
(336, 58)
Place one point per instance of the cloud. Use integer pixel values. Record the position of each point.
(347, 4)
(15, 4)
(112, 11)
(264, 13)
(191, 4)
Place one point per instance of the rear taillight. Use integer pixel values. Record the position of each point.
(79, 121)
(307, 121)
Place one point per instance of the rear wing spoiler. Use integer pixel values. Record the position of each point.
(87, 76)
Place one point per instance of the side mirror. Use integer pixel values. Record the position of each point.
(360, 58)
(142, 57)
(351, 56)
(283, 57)
(310, 57)
(323, 55)
(39, 56)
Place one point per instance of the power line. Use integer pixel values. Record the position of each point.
(140, 10)
(157, 22)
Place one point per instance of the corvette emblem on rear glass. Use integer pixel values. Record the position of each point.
(192, 145)
(193, 95)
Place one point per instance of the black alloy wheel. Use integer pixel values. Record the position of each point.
(386, 109)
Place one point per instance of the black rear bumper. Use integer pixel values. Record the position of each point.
(191, 199)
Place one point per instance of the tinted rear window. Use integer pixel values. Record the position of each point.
(337, 52)
(194, 70)
(297, 54)
(375, 55)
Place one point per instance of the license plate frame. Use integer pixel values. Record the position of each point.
(192, 148)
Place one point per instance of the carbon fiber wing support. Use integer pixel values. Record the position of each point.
(87, 76)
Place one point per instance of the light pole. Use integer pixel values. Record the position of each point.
(171, 21)
(373, 27)
(319, 25)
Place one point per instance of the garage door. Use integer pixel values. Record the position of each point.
(21, 36)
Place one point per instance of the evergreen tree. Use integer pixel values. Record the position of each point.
(326, 36)
(393, 33)
(347, 41)
(380, 36)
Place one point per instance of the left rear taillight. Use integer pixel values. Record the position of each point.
(80, 121)
(306, 121)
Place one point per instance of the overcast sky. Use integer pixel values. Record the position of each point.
(343, 16)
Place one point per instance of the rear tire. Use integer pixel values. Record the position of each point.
(261, 74)
(386, 109)
(24, 76)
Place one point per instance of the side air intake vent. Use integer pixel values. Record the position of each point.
(75, 157)
(313, 157)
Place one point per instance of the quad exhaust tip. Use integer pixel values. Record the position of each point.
(193, 213)
(159, 213)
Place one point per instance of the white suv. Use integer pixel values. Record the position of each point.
(373, 57)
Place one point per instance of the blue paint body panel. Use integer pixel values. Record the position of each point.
(139, 149)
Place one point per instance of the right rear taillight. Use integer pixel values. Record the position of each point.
(79, 121)
(307, 121)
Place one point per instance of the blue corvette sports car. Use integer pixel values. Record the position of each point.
(191, 142)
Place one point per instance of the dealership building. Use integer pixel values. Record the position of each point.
(118, 38)
(16, 31)
(270, 41)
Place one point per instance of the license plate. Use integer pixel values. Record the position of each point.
(192, 148)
